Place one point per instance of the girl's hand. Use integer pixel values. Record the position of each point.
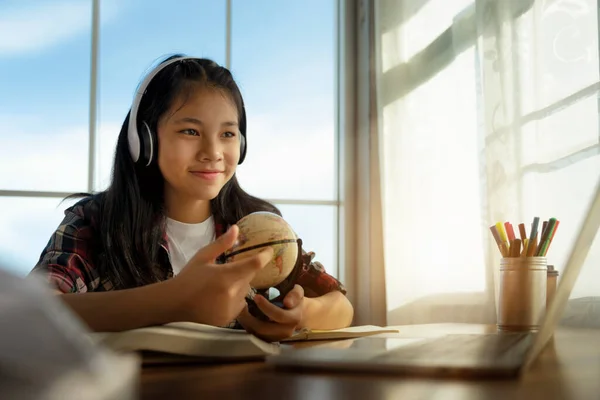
(214, 294)
(284, 321)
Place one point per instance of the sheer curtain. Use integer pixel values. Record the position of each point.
(488, 111)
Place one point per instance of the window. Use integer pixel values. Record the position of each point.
(44, 71)
(285, 71)
(44, 124)
(490, 113)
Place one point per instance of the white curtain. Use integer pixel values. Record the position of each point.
(488, 111)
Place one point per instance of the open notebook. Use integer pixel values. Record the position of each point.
(196, 342)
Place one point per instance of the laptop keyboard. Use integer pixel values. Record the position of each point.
(464, 349)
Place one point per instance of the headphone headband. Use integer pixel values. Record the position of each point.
(137, 145)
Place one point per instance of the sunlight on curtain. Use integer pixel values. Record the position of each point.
(436, 15)
(489, 113)
(431, 175)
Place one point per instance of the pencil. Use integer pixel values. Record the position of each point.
(499, 241)
(554, 231)
(545, 239)
(544, 225)
(502, 233)
(551, 237)
(524, 251)
(531, 247)
(524, 239)
(534, 228)
(522, 231)
(510, 233)
(515, 248)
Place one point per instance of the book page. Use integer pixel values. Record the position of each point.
(354, 329)
(204, 343)
(344, 333)
(205, 328)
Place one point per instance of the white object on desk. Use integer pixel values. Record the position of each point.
(46, 353)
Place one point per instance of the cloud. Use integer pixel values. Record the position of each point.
(25, 28)
(287, 161)
(34, 156)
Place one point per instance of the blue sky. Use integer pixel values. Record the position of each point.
(283, 55)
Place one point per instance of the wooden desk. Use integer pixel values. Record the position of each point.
(569, 368)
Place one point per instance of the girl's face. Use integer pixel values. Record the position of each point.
(199, 144)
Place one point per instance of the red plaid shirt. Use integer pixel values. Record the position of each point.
(67, 260)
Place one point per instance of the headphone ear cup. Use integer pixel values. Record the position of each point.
(147, 145)
(242, 149)
(133, 139)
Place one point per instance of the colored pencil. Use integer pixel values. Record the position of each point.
(502, 233)
(510, 233)
(545, 239)
(551, 237)
(522, 231)
(524, 251)
(499, 241)
(532, 246)
(536, 245)
(515, 248)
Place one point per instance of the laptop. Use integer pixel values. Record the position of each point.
(498, 354)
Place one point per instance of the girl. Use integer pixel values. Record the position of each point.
(144, 252)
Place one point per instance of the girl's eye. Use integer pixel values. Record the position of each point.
(229, 134)
(190, 132)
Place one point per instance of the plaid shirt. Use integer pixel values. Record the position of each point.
(67, 262)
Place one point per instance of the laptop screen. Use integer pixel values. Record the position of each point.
(579, 251)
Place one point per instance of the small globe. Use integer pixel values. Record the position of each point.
(257, 231)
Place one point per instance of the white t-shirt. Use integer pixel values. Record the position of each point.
(186, 239)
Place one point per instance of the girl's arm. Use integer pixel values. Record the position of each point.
(120, 310)
(65, 264)
(325, 303)
(202, 292)
(329, 311)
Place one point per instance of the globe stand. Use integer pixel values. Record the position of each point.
(284, 288)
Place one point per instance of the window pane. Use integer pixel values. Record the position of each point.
(136, 35)
(561, 134)
(44, 76)
(317, 227)
(556, 43)
(25, 228)
(568, 41)
(285, 69)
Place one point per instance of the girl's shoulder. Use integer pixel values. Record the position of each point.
(87, 210)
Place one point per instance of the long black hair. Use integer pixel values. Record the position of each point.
(132, 215)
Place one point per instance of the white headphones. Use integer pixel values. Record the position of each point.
(141, 144)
